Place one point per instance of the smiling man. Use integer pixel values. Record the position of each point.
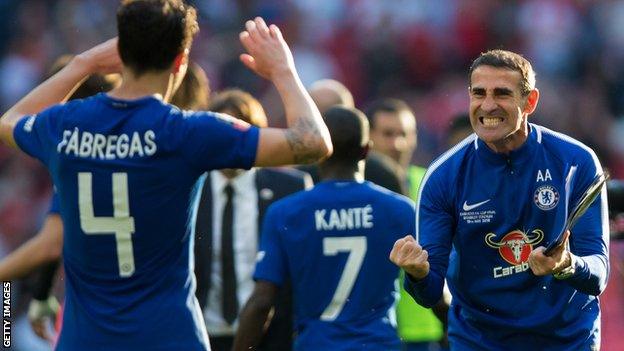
(487, 209)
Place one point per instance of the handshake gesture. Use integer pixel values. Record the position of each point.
(410, 257)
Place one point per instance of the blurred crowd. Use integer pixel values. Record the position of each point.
(416, 50)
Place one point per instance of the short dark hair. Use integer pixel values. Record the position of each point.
(349, 133)
(153, 32)
(390, 105)
(509, 60)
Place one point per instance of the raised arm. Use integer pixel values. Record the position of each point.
(306, 140)
(100, 59)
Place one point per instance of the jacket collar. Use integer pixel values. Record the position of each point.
(518, 156)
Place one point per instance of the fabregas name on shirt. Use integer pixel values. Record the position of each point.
(344, 218)
(107, 147)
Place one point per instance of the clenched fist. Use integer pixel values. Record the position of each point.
(558, 260)
(410, 257)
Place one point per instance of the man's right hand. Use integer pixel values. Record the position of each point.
(267, 53)
(410, 257)
(306, 140)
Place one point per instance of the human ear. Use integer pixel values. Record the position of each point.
(531, 101)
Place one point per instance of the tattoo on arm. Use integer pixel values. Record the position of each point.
(303, 139)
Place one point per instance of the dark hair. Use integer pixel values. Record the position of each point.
(194, 90)
(387, 105)
(349, 133)
(509, 60)
(241, 105)
(96, 83)
(459, 122)
(153, 32)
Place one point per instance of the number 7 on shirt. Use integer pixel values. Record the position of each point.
(356, 247)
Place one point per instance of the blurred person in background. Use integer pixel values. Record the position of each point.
(194, 91)
(615, 190)
(331, 243)
(486, 212)
(393, 130)
(154, 43)
(230, 206)
(394, 136)
(328, 93)
(612, 300)
(459, 129)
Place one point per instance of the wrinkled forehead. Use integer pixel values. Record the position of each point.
(490, 78)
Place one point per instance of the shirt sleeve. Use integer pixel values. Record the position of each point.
(215, 141)
(34, 134)
(55, 206)
(589, 238)
(434, 232)
(271, 260)
(407, 218)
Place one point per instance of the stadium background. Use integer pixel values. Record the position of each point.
(417, 50)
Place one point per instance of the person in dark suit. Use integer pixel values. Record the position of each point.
(229, 209)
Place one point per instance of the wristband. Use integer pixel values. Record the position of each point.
(568, 271)
(38, 309)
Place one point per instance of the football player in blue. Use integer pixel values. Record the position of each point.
(488, 208)
(125, 163)
(332, 244)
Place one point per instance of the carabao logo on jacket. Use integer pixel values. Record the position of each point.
(514, 247)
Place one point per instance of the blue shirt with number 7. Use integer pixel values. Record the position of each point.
(332, 243)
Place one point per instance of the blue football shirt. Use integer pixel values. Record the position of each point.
(55, 206)
(332, 243)
(125, 174)
(481, 214)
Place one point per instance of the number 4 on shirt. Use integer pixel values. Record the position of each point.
(121, 225)
(356, 247)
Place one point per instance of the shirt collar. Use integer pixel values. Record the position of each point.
(520, 155)
(241, 183)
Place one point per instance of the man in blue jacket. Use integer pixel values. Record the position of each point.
(487, 209)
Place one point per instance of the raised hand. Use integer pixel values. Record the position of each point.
(103, 58)
(267, 52)
(410, 257)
